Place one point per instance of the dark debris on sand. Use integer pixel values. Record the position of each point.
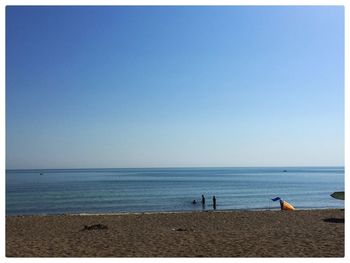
(94, 227)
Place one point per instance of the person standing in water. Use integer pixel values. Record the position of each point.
(214, 202)
(203, 202)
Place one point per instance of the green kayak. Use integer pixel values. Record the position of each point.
(338, 195)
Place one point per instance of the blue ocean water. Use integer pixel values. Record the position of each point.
(59, 191)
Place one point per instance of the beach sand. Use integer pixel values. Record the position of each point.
(304, 233)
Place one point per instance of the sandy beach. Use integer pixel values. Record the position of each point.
(304, 233)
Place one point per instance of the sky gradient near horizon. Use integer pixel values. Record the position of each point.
(95, 87)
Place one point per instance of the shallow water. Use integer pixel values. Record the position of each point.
(60, 191)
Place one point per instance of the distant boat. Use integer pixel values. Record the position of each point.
(338, 195)
(284, 171)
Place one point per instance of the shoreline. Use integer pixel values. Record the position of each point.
(173, 212)
(220, 233)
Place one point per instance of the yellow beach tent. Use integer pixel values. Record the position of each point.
(286, 206)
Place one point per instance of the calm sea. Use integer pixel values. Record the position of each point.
(61, 191)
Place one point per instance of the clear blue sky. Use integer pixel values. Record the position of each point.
(174, 86)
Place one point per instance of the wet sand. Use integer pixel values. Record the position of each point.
(304, 233)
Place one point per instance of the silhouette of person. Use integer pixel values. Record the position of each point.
(281, 204)
(203, 202)
(194, 202)
(214, 202)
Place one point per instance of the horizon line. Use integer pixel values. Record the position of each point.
(179, 167)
